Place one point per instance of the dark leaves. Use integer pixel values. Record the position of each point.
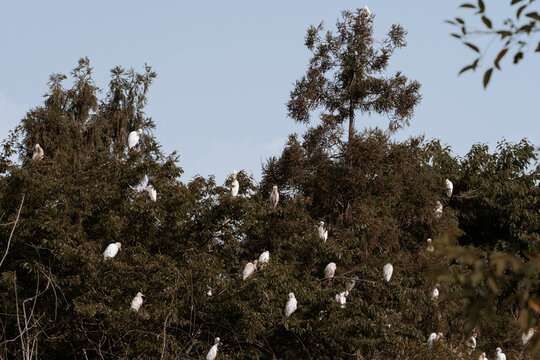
(472, 46)
(487, 77)
(499, 57)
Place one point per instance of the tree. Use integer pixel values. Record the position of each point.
(345, 75)
(515, 34)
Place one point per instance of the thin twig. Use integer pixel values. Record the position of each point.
(12, 231)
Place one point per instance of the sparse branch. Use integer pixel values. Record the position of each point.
(12, 230)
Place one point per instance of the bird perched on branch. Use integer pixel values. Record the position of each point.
(264, 258)
(291, 304)
(341, 298)
(149, 191)
(274, 196)
(438, 209)
(330, 270)
(323, 234)
(500, 354)
(133, 138)
(388, 269)
(212, 353)
(249, 269)
(429, 247)
(235, 186)
(526, 336)
(38, 153)
(111, 250)
(449, 187)
(137, 302)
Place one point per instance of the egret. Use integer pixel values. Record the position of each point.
(323, 234)
(500, 354)
(482, 356)
(290, 307)
(471, 343)
(264, 258)
(111, 250)
(249, 269)
(212, 353)
(235, 186)
(429, 247)
(38, 153)
(526, 336)
(134, 137)
(341, 298)
(438, 209)
(150, 192)
(449, 187)
(388, 269)
(137, 302)
(366, 11)
(435, 292)
(209, 291)
(432, 338)
(274, 196)
(350, 285)
(330, 270)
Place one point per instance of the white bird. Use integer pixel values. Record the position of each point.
(264, 258)
(212, 353)
(366, 11)
(235, 185)
(429, 247)
(435, 292)
(449, 187)
(134, 137)
(150, 192)
(137, 302)
(330, 270)
(341, 298)
(471, 343)
(500, 354)
(482, 356)
(290, 307)
(249, 269)
(388, 269)
(111, 250)
(526, 336)
(38, 153)
(323, 234)
(432, 338)
(209, 291)
(438, 209)
(274, 196)
(350, 285)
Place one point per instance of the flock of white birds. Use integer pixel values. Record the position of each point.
(329, 272)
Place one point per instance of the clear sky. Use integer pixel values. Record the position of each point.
(225, 70)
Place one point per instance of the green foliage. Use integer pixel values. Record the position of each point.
(515, 33)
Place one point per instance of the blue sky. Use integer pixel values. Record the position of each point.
(225, 70)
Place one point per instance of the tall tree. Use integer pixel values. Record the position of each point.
(346, 75)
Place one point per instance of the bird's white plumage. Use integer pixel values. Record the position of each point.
(500, 354)
(341, 298)
(482, 356)
(137, 302)
(471, 343)
(388, 269)
(235, 186)
(429, 247)
(149, 191)
(433, 337)
(438, 209)
(330, 270)
(527, 335)
(449, 187)
(134, 137)
(249, 269)
(38, 153)
(366, 11)
(274, 196)
(209, 290)
(111, 250)
(212, 353)
(435, 292)
(264, 258)
(323, 234)
(291, 305)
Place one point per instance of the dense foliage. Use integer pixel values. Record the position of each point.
(59, 299)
